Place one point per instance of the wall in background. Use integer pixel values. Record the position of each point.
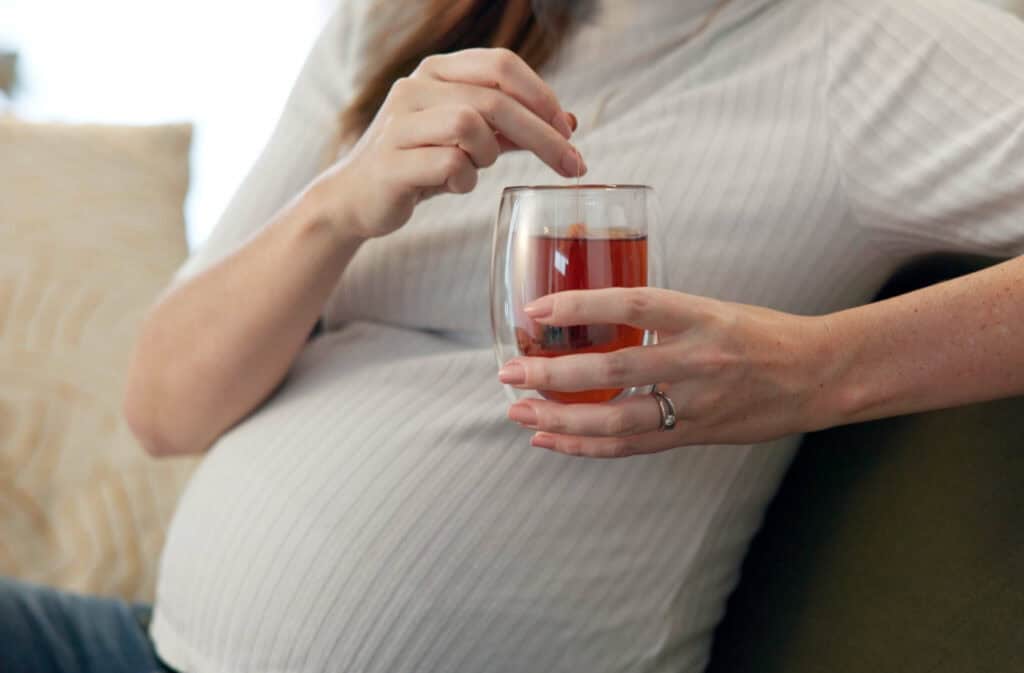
(225, 65)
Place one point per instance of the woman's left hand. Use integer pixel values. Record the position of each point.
(737, 374)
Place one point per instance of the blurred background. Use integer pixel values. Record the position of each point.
(157, 104)
(223, 65)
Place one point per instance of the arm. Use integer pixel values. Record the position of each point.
(219, 343)
(221, 340)
(954, 343)
(927, 107)
(224, 334)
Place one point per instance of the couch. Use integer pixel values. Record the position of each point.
(91, 229)
(895, 546)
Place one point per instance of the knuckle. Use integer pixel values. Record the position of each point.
(723, 321)
(542, 105)
(636, 303)
(463, 121)
(428, 63)
(451, 161)
(567, 305)
(401, 88)
(490, 104)
(615, 367)
(540, 377)
(505, 60)
(713, 362)
(467, 181)
(490, 153)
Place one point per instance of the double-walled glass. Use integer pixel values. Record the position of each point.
(553, 239)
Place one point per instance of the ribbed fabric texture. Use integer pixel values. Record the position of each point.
(380, 515)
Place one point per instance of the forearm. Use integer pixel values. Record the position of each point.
(218, 344)
(953, 343)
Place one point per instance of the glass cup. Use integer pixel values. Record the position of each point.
(553, 239)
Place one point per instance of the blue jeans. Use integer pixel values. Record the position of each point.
(47, 631)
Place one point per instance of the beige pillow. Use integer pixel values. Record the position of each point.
(91, 229)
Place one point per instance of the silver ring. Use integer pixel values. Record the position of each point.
(668, 410)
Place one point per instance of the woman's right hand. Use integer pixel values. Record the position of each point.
(453, 116)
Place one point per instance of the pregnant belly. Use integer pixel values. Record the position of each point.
(323, 535)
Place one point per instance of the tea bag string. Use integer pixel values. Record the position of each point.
(609, 94)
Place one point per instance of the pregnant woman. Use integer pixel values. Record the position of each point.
(371, 503)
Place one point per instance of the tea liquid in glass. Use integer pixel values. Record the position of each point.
(582, 263)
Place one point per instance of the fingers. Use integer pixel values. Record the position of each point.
(508, 146)
(611, 447)
(525, 131)
(622, 418)
(625, 368)
(437, 169)
(643, 307)
(452, 126)
(517, 125)
(505, 71)
(616, 429)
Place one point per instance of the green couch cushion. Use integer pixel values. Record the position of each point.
(893, 546)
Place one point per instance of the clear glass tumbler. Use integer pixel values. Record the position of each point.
(553, 239)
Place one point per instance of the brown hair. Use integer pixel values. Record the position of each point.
(451, 25)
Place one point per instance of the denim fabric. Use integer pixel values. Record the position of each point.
(43, 630)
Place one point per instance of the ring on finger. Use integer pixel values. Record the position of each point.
(667, 410)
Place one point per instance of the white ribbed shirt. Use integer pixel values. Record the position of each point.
(380, 515)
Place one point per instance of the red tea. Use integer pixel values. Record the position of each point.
(581, 263)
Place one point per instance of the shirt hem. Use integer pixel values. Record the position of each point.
(173, 651)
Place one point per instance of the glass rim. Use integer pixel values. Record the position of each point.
(574, 188)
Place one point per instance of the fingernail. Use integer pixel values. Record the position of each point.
(573, 122)
(543, 441)
(561, 125)
(513, 374)
(572, 163)
(539, 309)
(524, 414)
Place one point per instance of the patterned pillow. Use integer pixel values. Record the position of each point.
(91, 229)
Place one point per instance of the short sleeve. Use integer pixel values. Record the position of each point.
(926, 106)
(301, 142)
